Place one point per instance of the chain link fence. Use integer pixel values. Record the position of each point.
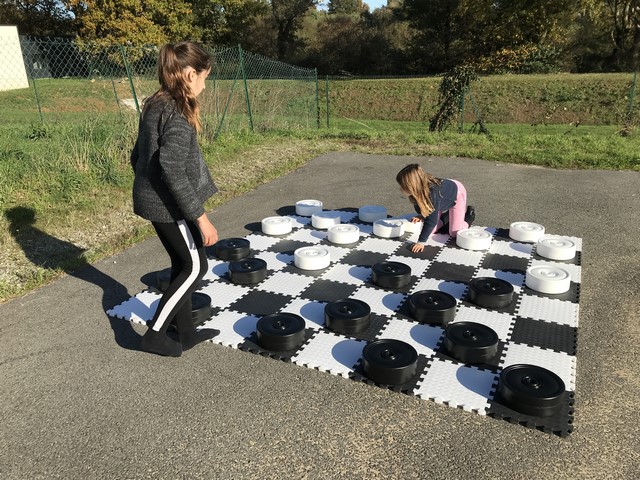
(62, 80)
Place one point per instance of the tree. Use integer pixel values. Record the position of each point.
(346, 6)
(227, 22)
(287, 15)
(117, 22)
(40, 18)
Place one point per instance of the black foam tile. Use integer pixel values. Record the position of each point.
(428, 253)
(327, 290)
(560, 424)
(572, 295)
(538, 333)
(257, 302)
(363, 258)
(494, 261)
(450, 272)
(287, 246)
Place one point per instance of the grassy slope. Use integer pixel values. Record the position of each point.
(74, 177)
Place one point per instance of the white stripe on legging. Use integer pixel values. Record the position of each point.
(184, 288)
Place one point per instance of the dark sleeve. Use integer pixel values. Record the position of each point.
(134, 156)
(175, 150)
(430, 223)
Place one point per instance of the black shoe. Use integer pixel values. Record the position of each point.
(195, 337)
(444, 228)
(159, 343)
(470, 215)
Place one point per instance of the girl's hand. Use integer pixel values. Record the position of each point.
(417, 247)
(208, 231)
(416, 219)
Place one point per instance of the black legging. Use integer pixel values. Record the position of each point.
(183, 243)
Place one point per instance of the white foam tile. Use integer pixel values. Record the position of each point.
(224, 294)
(311, 311)
(275, 260)
(424, 338)
(298, 221)
(418, 265)
(460, 257)
(330, 353)
(501, 323)
(336, 253)
(138, 309)
(437, 239)
(217, 269)
(285, 283)
(365, 229)
(511, 249)
(458, 385)
(515, 279)
(346, 217)
(574, 270)
(560, 363)
(380, 301)
(234, 327)
(548, 309)
(452, 288)
(307, 236)
(351, 274)
(261, 242)
(378, 245)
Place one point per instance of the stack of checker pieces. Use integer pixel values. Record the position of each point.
(535, 328)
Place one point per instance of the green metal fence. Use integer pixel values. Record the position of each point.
(61, 80)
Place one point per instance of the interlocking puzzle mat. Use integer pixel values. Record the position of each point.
(535, 328)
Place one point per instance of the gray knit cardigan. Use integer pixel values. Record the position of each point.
(171, 182)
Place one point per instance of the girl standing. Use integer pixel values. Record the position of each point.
(170, 187)
(433, 197)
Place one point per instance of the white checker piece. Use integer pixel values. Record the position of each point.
(308, 236)
(560, 363)
(224, 294)
(511, 249)
(515, 279)
(261, 242)
(275, 260)
(418, 265)
(573, 270)
(380, 301)
(452, 288)
(460, 256)
(344, 353)
(424, 338)
(234, 327)
(458, 385)
(548, 309)
(285, 283)
(311, 311)
(351, 274)
(501, 323)
(138, 309)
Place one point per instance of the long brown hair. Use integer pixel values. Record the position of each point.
(172, 61)
(416, 182)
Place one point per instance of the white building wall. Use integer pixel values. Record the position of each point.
(12, 72)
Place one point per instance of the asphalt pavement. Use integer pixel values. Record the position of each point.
(79, 400)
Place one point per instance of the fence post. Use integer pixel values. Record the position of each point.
(327, 96)
(126, 67)
(246, 89)
(317, 99)
(35, 91)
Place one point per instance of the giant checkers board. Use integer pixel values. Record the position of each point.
(535, 328)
